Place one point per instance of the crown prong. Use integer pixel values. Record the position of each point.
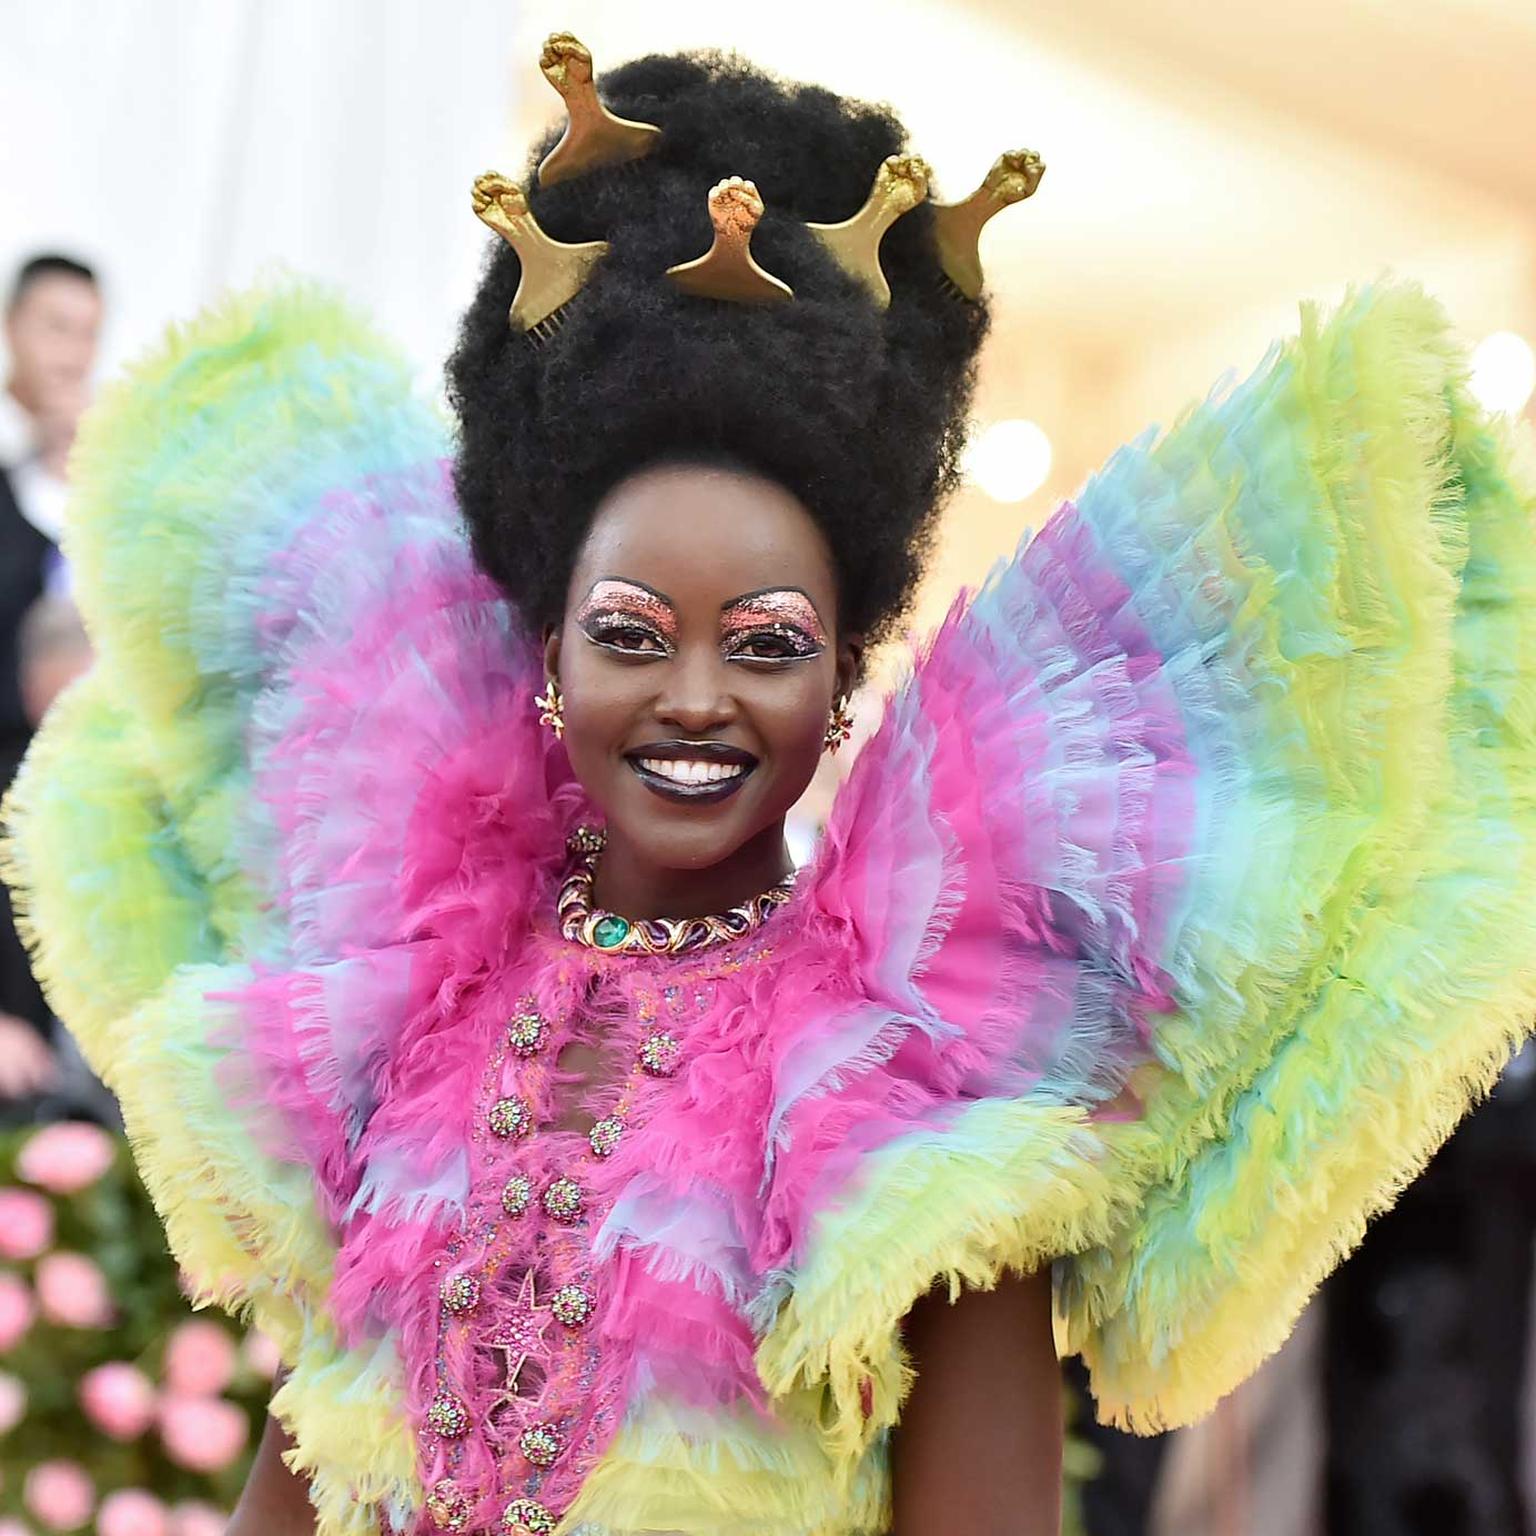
(900, 185)
(553, 272)
(728, 270)
(957, 226)
(593, 136)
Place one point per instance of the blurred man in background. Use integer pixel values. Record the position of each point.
(52, 324)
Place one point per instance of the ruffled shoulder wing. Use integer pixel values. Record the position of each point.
(256, 840)
(1190, 880)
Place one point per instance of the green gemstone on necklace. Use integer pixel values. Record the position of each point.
(610, 931)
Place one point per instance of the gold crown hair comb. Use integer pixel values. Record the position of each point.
(554, 271)
(594, 136)
(901, 184)
(728, 270)
(957, 226)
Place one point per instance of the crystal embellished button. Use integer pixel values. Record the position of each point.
(527, 1517)
(527, 1031)
(572, 1306)
(660, 1053)
(460, 1293)
(516, 1193)
(605, 1135)
(448, 1506)
(448, 1416)
(563, 1200)
(541, 1444)
(510, 1118)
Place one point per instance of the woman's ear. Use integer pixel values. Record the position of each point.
(552, 651)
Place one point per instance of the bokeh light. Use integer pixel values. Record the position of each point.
(1503, 372)
(1009, 460)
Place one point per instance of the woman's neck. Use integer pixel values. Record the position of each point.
(635, 887)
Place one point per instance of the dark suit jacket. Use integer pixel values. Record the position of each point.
(24, 557)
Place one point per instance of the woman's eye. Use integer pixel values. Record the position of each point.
(622, 636)
(777, 644)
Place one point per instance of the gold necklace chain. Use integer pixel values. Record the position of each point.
(581, 923)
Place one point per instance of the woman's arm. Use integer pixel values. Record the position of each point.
(979, 1445)
(276, 1499)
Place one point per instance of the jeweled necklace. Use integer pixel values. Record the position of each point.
(581, 923)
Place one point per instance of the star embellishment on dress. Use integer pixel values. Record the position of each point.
(520, 1334)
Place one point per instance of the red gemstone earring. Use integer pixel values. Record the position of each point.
(839, 725)
(551, 707)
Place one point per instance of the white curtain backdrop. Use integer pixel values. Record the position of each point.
(186, 146)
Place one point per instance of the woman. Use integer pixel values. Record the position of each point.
(425, 895)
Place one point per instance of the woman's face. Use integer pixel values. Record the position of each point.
(699, 657)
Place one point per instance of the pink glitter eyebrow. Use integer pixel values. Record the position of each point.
(630, 599)
(778, 605)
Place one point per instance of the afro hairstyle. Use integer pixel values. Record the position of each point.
(859, 412)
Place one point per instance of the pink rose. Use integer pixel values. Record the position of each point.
(118, 1399)
(202, 1434)
(66, 1157)
(10, 1527)
(73, 1291)
(26, 1223)
(17, 1310)
(131, 1512)
(193, 1518)
(13, 1402)
(199, 1360)
(60, 1494)
(261, 1353)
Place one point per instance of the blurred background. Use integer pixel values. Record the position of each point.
(1209, 167)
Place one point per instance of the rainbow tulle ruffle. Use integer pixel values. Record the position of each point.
(1183, 902)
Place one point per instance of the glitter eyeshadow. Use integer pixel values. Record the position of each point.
(784, 612)
(627, 600)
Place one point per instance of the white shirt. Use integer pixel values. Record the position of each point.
(40, 494)
(16, 436)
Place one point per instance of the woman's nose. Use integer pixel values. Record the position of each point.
(696, 697)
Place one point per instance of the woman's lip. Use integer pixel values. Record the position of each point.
(696, 751)
(704, 793)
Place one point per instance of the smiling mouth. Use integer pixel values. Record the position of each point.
(691, 772)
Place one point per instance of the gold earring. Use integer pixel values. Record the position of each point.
(551, 707)
(839, 725)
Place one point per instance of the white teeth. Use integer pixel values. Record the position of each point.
(691, 770)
